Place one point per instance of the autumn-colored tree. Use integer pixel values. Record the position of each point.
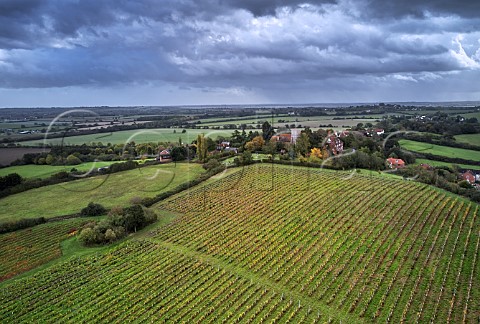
(255, 144)
(316, 152)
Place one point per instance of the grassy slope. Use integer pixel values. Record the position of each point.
(473, 139)
(109, 190)
(440, 163)
(138, 136)
(45, 171)
(440, 150)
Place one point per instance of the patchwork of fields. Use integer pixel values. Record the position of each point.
(167, 135)
(274, 243)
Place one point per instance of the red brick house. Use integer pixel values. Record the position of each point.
(284, 138)
(334, 144)
(394, 163)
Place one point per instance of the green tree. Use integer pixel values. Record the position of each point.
(10, 180)
(246, 158)
(179, 153)
(73, 160)
(201, 148)
(302, 146)
(134, 218)
(49, 159)
(267, 131)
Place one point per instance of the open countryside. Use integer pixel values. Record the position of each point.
(359, 260)
(123, 137)
(231, 161)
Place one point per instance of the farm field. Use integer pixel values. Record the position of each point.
(8, 155)
(270, 243)
(473, 139)
(311, 121)
(452, 152)
(472, 115)
(440, 163)
(138, 136)
(109, 190)
(45, 171)
(27, 249)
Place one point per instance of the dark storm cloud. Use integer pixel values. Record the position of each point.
(399, 9)
(236, 44)
(268, 7)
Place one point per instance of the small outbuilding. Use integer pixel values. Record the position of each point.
(165, 156)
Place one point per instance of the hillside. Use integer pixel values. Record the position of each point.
(440, 150)
(110, 190)
(277, 243)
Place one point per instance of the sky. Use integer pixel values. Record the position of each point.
(188, 52)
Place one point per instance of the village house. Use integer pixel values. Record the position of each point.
(334, 144)
(344, 134)
(221, 146)
(394, 163)
(468, 176)
(289, 136)
(164, 156)
(284, 138)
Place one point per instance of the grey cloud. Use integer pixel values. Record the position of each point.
(213, 44)
(419, 8)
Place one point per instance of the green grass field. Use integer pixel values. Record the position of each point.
(473, 139)
(45, 171)
(452, 152)
(109, 190)
(270, 244)
(138, 136)
(440, 163)
(471, 115)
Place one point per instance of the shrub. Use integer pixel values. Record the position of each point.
(73, 160)
(150, 216)
(21, 224)
(87, 236)
(10, 180)
(211, 164)
(93, 209)
(465, 184)
(110, 235)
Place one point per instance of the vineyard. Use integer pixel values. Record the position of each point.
(26, 249)
(274, 243)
